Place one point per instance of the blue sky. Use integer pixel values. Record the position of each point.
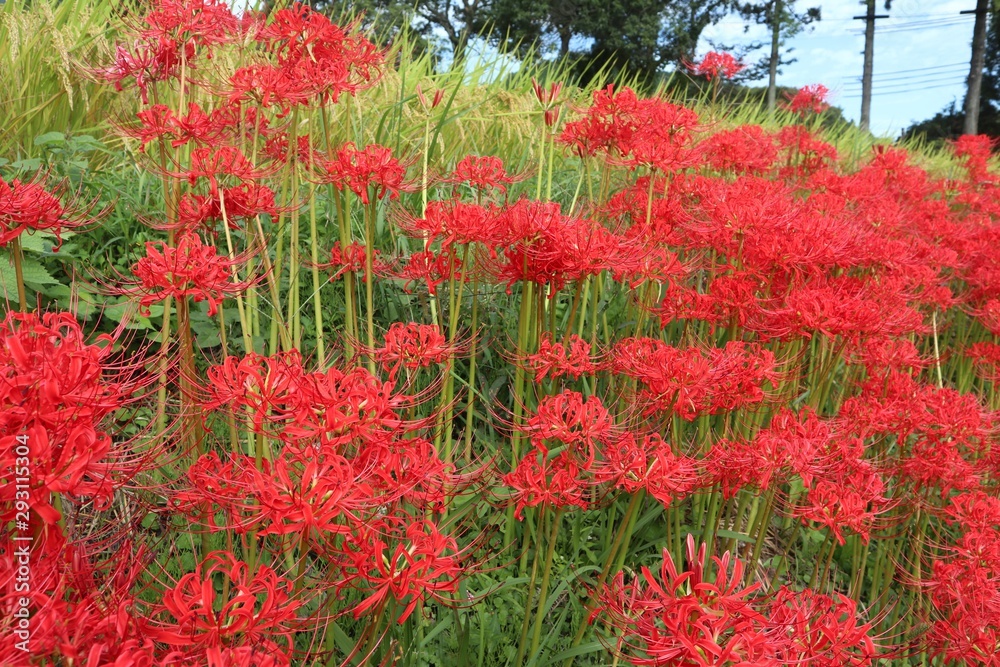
(921, 57)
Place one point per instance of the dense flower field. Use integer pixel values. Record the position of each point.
(727, 399)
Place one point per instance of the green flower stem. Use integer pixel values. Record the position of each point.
(529, 595)
(546, 575)
(316, 284)
(15, 249)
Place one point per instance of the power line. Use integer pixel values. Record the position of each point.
(908, 90)
(910, 80)
(909, 86)
(921, 69)
(910, 16)
(915, 78)
(921, 25)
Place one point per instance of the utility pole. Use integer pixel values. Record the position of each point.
(772, 67)
(866, 78)
(975, 82)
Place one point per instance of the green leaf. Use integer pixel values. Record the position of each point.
(344, 643)
(576, 651)
(86, 303)
(34, 274)
(733, 535)
(32, 164)
(208, 338)
(50, 138)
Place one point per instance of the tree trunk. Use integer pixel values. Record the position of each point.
(564, 36)
(772, 66)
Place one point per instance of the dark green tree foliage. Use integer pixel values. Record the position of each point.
(627, 37)
(778, 14)
(683, 24)
(947, 123)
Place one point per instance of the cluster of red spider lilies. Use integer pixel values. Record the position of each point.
(675, 393)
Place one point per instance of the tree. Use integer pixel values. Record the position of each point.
(685, 21)
(783, 23)
(628, 37)
(456, 19)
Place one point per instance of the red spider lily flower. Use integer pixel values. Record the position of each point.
(986, 357)
(259, 612)
(879, 355)
(294, 31)
(212, 162)
(369, 172)
(809, 99)
(687, 618)
(670, 478)
(205, 22)
(736, 464)
(242, 202)
(456, 222)
(802, 444)
(963, 585)
(809, 153)
(693, 381)
(407, 469)
(975, 152)
(327, 59)
(625, 461)
(412, 346)
(266, 85)
(716, 65)
(432, 269)
(557, 360)
(198, 127)
(278, 148)
(424, 563)
(146, 61)
(608, 126)
(484, 172)
(898, 404)
(159, 122)
(548, 248)
(352, 259)
(744, 149)
(219, 487)
(341, 407)
(822, 630)
(156, 122)
(664, 137)
(847, 307)
(315, 496)
(55, 394)
(940, 462)
(266, 388)
(989, 316)
(546, 97)
(537, 480)
(190, 268)
(573, 420)
(81, 603)
(27, 206)
(850, 498)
